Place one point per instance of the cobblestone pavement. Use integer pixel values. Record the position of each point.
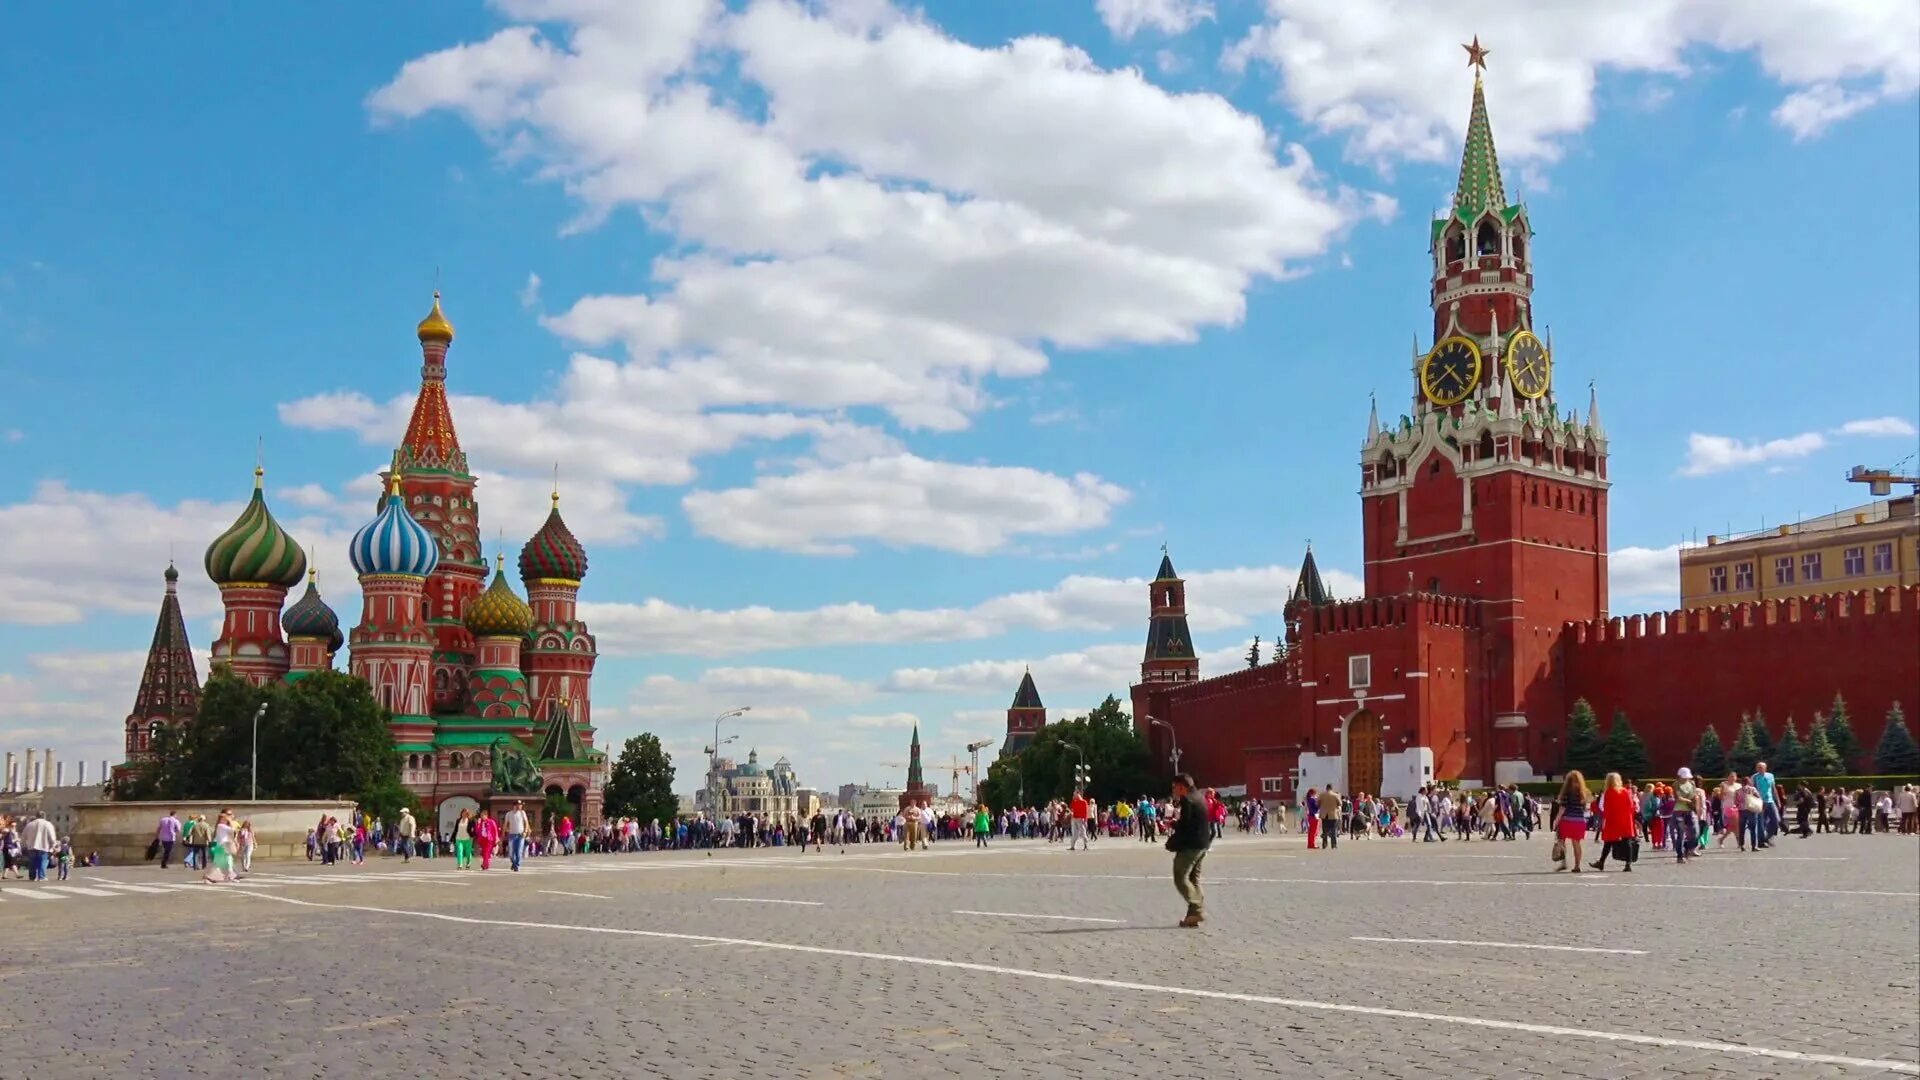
(1374, 960)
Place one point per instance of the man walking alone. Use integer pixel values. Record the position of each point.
(516, 834)
(406, 831)
(1191, 836)
(1080, 810)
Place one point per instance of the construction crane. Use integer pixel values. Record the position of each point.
(955, 769)
(974, 749)
(1881, 481)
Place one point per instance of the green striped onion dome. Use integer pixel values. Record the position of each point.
(255, 549)
(499, 612)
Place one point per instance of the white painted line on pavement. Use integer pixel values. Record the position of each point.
(763, 900)
(30, 894)
(1499, 945)
(582, 895)
(1023, 915)
(121, 886)
(78, 890)
(1489, 1023)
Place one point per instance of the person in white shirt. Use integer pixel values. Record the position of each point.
(516, 834)
(37, 839)
(406, 828)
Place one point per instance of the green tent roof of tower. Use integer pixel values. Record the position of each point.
(1166, 569)
(563, 741)
(1310, 587)
(1028, 696)
(1479, 189)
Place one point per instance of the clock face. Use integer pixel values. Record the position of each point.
(1528, 365)
(1450, 371)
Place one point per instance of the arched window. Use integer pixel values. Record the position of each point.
(1456, 244)
(457, 761)
(1519, 247)
(1487, 241)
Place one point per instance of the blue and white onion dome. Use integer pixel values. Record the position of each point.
(393, 542)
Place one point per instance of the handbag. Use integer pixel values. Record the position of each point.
(1559, 850)
(153, 850)
(1753, 804)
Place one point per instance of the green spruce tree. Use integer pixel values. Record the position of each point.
(1743, 753)
(1625, 752)
(1253, 652)
(1762, 738)
(1788, 755)
(1840, 734)
(1820, 758)
(1896, 755)
(1709, 756)
(1585, 746)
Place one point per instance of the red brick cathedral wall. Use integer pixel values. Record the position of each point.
(1676, 672)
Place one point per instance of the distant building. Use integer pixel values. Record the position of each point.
(1025, 717)
(753, 789)
(1867, 547)
(876, 802)
(56, 802)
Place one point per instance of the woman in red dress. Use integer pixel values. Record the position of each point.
(1570, 816)
(1618, 813)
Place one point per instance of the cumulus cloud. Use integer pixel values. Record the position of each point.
(903, 501)
(530, 292)
(894, 227)
(1367, 69)
(1707, 454)
(1125, 18)
(1217, 600)
(1645, 574)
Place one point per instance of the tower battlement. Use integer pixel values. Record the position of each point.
(1862, 605)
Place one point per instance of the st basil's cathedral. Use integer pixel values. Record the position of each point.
(489, 695)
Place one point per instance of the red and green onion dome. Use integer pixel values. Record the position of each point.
(255, 550)
(311, 617)
(553, 553)
(499, 611)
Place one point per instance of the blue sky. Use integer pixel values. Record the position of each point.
(880, 349)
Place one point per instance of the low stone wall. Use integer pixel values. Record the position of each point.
(121, 831)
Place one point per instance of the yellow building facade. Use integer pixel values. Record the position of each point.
(1868, 547)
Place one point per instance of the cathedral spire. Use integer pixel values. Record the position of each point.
(916, 778)
(431, 442)
(1479, 187)
(169, 686)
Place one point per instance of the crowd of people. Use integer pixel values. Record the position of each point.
(31, 848)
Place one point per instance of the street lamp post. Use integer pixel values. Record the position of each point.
(1080, 776)
(1172, 735)
(253, 782)
(713, 761)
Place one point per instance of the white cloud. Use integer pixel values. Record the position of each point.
(1644, 573)
(1369, 68)
(1717, 453)
(1707, 454)
(1126, 18)
(74, 703)
(883, 721)
(12, 435)
(1241, 597)
(1879, 426)
(894, 227)
(530, 292)
(903, 501)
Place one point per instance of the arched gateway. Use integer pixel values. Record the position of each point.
(1364, 755)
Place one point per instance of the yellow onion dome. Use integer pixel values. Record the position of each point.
(255, 550)
(435, 326)
(499, 612)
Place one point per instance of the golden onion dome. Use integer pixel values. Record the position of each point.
(435, 326)
(499, 611)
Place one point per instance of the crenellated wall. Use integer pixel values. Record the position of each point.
(1674, 672)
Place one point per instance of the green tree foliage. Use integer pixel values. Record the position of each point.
(1789, 754)
(1762, 738)
(1896, 755)
(1840, 733)
(1585, 746)
(322, 737)
(1253, 652)
(1820, 758)
(1625, 752)
(1116, 755)
(1709, 756)
(1744, 752)
(641, 786)
(556, 806)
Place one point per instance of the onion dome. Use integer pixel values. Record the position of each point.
(255, 550)
(499, 611)
(393, 542)
(311, 617)
(553, 553)
(435, 326)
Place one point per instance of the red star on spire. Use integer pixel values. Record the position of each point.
(1476, 56)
